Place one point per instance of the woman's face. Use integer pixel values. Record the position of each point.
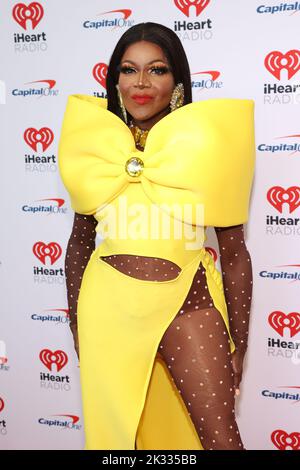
(146, 83)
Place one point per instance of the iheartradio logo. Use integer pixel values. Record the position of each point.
(100, 73)
(33, 12)
(1, 404)
(43, 136)
(49, 358)
(41, 250)
(279, 321)
(275, 62)
(284, 441)
(277, 196)
(185, 5)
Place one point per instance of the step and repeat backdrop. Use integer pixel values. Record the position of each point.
(50, 49)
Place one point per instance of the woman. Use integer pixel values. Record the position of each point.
(162, 336)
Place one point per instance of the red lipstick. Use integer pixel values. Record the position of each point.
(142, 99)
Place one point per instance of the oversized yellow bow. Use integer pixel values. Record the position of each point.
(202, 153)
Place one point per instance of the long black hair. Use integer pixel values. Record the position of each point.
(170, 44)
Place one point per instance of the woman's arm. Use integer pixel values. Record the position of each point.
(79, 249)
(236, 267)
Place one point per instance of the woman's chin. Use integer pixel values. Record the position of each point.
(140, 117)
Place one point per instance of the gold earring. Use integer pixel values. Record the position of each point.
(121, 104)
(177, 98)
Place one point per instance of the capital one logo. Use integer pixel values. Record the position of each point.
(33, 12)
(275, 61)
(100, 73)
(277, 196)
(50, 358)
(126, 12)
(284, 441)
(279, 321)
(41, 250)
(214, 74)
(185, 5)
(43, 136)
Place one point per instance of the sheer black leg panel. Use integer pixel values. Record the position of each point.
(196, 350)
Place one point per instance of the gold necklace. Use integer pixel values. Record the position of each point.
(140, 135)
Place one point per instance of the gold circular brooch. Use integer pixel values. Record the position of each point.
(134, 166)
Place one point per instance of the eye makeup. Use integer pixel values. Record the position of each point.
(156, 69)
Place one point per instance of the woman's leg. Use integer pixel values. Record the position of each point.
(196, 349)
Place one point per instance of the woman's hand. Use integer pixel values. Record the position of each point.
(75, 338)
(237, 365)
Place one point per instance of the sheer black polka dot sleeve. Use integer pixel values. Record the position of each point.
(237, 280)
(79, 249)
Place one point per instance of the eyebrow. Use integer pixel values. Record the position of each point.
(152, 61)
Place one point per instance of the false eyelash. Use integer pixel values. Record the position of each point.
(124, 68)
(162, 69)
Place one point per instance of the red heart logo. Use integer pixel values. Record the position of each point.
(278, 195)
(275, 61)
(282, 440)
(100, 72)
(185, 5)
(41, 250)
(279, 320)
(34, 12)
(53, 357)
(33, 137)
(1, 404)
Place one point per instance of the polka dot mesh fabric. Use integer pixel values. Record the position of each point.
(195, 347)
(80, 246)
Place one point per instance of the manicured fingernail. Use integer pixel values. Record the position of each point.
(237, 392)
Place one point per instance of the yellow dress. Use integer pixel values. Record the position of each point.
(196, 171)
